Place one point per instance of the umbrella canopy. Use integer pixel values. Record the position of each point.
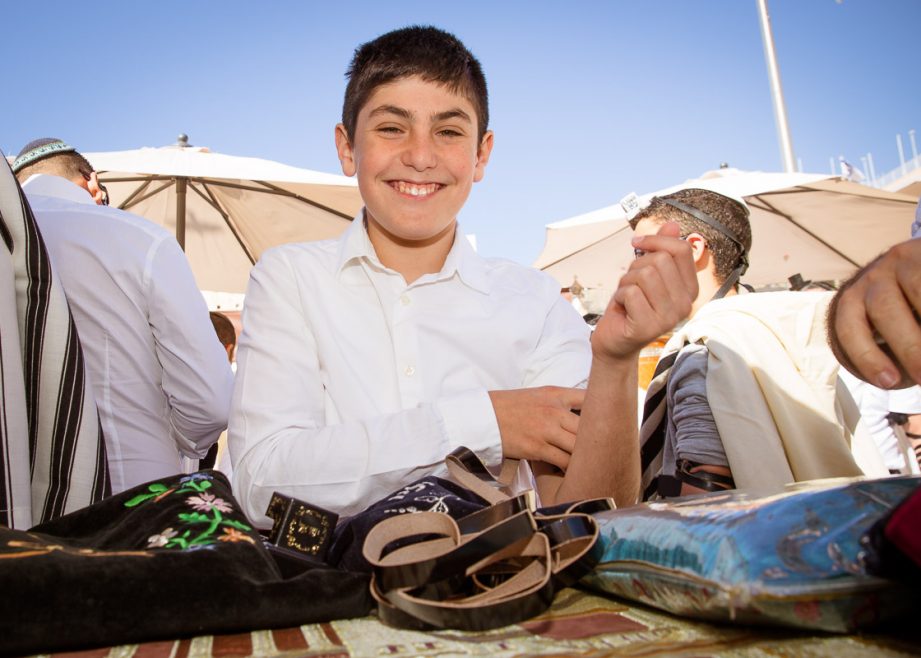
(810, 224)
(226, 210)
(909, 183)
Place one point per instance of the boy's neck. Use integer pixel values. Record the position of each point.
(708, 285)
(411, 258)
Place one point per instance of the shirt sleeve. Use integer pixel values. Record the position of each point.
(196, 376)
(285, 433)
(905, 400)
(697, 438)
(563, 354)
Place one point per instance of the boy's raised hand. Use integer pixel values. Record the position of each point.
(653, 296)
(538, 423)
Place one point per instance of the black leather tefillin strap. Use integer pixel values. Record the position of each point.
(742, 259)
(702, 479)
(492, 568)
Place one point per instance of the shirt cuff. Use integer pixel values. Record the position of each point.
(469, 420)
(905, 401)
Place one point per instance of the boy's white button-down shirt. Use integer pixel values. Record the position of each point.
(159, 374)
(351, 384)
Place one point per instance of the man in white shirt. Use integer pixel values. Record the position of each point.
(365, 360)
(161, 381)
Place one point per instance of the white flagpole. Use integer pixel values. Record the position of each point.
(898, 142)
(780, 112)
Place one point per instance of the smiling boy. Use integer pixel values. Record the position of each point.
(365, 360)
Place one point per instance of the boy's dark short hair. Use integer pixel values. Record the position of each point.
(728, 212)
(432, 54)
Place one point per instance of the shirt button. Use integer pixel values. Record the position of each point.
(404, 300)
(409, 371)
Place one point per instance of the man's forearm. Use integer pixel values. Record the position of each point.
(606, 459)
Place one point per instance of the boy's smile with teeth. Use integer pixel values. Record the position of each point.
(415, 189)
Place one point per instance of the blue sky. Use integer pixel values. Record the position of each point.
(588, 100)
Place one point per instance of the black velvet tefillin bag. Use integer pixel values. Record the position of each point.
(167, 559)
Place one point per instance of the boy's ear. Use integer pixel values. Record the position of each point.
(698, 246)
(344, 149)
(482, 156)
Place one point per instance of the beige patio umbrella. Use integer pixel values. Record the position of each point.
(810, 224)
(226, 210)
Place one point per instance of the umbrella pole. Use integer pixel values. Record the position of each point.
(180, 211)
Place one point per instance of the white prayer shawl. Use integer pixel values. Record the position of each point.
(773, 387)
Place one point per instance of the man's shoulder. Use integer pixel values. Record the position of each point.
(136, 223)
(777, 311)
(691, 357)
(769, 304)
(115, 219)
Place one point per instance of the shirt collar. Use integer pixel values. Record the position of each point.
(57, 187)
(355, 247)
(468, 264)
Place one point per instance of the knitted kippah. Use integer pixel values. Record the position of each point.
(39, 149)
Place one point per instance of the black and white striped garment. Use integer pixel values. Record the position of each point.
(653, 427)
(52, 453)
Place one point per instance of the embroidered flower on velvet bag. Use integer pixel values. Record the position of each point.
(158, 491)
(199, 528)
(234, 535)
(205, 502)
(195, 477)
(158, 541)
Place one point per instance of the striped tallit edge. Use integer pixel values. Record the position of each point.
(66, 448)
(6, 480)
(652, 429)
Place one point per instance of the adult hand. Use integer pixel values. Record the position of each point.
(879, 304)
(653, 296)
(538, 423)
